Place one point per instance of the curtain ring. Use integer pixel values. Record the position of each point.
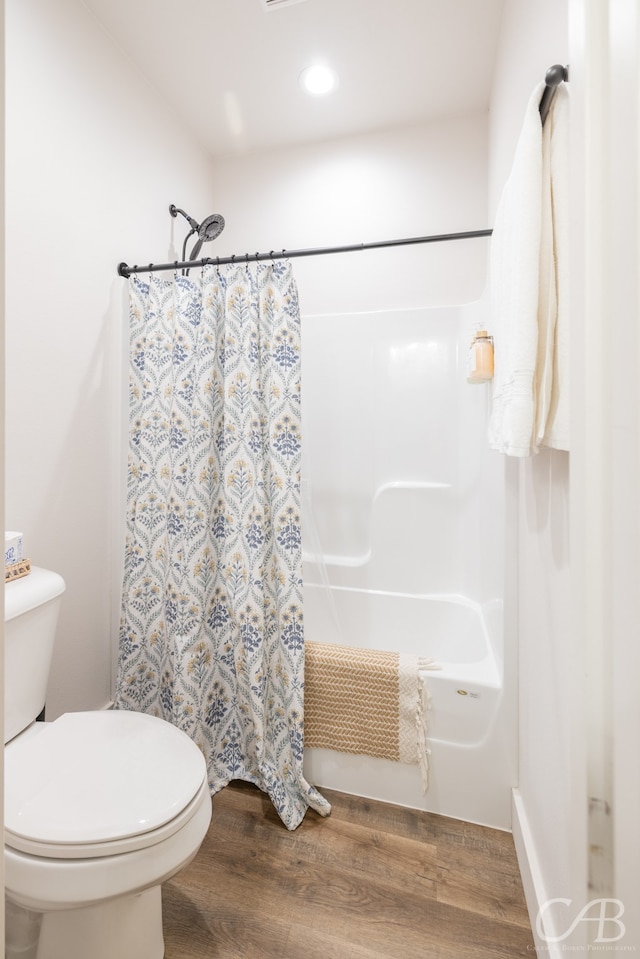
(233, 259)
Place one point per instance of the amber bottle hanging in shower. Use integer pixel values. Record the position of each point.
(480, 358)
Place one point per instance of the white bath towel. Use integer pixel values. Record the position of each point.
(514, 274)
(555, 429)
(547, 297)
(526, 394)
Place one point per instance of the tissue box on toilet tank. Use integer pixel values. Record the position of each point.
(12, 548)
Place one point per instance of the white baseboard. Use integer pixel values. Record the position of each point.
(532, 881)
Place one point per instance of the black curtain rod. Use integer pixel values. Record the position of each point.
(555, 75)
(124, 270)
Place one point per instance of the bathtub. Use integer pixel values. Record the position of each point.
(467, 745)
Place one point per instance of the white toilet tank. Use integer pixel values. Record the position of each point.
(31, 607)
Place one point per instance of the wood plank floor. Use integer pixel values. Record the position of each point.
(372, 881)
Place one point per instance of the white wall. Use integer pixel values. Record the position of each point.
(93, 161)
(550, 802)
(411, 181)
(577, 805)
(2, 401)
(605, 479)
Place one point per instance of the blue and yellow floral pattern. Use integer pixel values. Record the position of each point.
(212, 631)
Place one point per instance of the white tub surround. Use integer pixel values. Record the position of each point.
(399, 535)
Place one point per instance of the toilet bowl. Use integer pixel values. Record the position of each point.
(101, 808)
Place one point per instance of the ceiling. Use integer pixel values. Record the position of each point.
(230, 68)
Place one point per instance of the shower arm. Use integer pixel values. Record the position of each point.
(174, 210)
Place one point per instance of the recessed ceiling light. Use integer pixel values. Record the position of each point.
(318, 80)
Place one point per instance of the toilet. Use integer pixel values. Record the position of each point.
(101, 807)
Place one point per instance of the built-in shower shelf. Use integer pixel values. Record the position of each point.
(328, 560)
(276, 4)
(399, 486)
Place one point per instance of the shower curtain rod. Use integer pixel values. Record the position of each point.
(555, 75)
(125, 270)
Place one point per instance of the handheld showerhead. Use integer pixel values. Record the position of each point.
(211, 227)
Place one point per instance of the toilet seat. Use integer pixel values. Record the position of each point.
(96, 784)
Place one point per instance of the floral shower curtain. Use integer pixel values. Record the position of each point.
(212, 628)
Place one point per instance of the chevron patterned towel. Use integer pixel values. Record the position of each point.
(368, 702)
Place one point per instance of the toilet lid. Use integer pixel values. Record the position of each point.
(99, 776)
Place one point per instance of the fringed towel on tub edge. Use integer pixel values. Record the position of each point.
(368, 702)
